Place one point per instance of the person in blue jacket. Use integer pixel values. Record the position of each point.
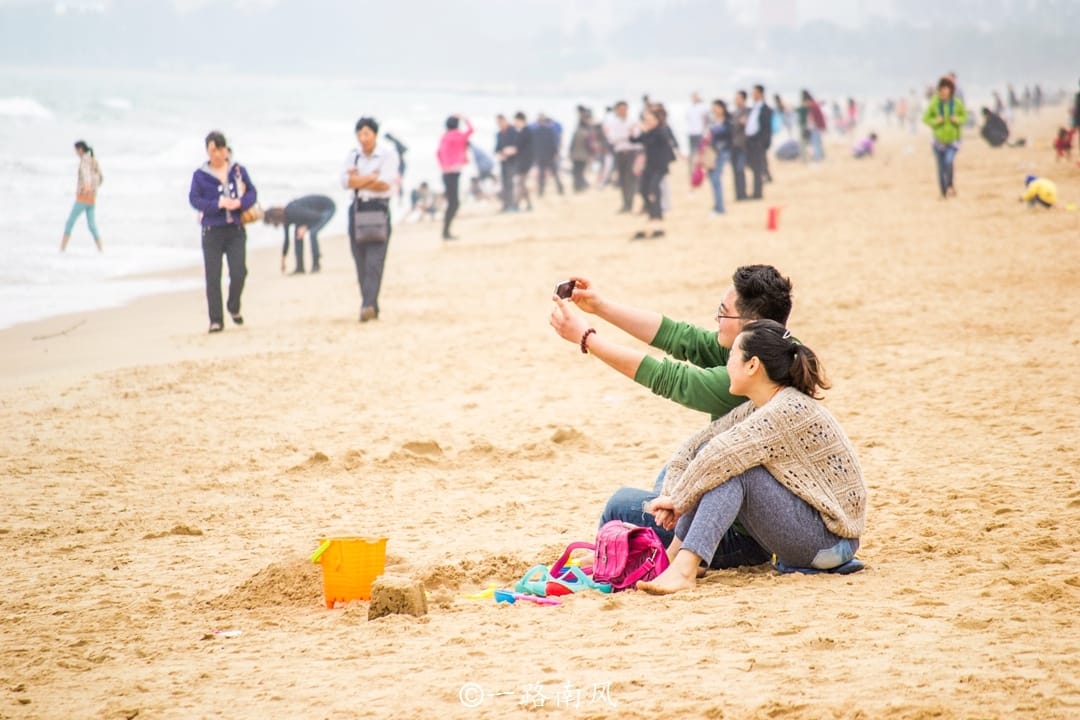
(221, 191)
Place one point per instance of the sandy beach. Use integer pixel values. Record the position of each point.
(161, 484)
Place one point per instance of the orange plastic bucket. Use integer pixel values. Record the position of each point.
(349, 565)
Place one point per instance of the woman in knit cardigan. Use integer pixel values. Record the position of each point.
(779, 464)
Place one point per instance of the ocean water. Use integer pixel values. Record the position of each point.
(147, 130)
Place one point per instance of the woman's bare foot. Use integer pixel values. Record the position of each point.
(680, 575)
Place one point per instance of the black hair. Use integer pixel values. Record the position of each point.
(520, 116)
(216, 137)
(274, 216)
(762, 293)
(452, 123)
(81, 145)
(369, 123)
(721, 104)
(947, 83)
(786, 361)
(740, 93)
(760, 89)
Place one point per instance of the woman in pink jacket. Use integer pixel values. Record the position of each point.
(453, 156)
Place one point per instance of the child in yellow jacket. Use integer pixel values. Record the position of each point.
(1039, 191)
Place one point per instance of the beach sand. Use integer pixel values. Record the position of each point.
(161, 484)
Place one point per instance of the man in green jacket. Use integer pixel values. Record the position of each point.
(695, 375)
(946, 116)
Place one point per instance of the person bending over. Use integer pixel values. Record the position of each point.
(307, 215)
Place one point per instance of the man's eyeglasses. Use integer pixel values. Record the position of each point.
(721, 316)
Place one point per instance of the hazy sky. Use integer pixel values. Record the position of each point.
(559, 45)
(600, 13)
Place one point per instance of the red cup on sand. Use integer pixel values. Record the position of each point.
(773, 220)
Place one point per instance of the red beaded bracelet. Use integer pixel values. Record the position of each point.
(584, 340)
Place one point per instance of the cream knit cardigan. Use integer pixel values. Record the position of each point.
(792, 436)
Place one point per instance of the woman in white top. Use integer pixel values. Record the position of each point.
(85, 194)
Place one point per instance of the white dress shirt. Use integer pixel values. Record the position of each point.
(383, 161)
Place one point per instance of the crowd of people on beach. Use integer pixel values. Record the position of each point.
(773, 477)
(631, 152)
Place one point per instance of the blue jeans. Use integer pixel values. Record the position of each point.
(78, 209)
(736, 548)
(818, 152)
(715, 174)
(945, 156)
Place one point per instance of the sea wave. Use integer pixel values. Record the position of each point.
(117, 103)
(23, 107)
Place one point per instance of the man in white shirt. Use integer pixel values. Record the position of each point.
(697, 120)
(617, 129)
(370, 171)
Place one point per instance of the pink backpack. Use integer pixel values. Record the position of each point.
(625, 553)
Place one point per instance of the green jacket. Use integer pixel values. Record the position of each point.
(703, 385)
(948, 132)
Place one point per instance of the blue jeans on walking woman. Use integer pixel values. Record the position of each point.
(78, 209)
(945, 156)
(714, 178)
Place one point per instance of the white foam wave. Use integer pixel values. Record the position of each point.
(118, 103)
(21, 107)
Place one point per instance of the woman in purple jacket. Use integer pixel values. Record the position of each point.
(222, 191)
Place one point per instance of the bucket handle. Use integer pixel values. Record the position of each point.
(318, 553)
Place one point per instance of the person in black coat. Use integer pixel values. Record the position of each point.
(994, 129)
(758, 140)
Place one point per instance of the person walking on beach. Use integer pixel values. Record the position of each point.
(523, 161)
(758, 140)
(582, 145)
(307, 215)
(453, 155)
(89, 180)
(738, 145)
(812, 119)
(656, 138)
(221, 191)
(719, 140)
(370, 171)
(506, 141)
(547, 135)
(697, 118)
(946, 116)
(617, 128)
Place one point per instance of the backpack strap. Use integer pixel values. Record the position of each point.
(560, 565)
(641, 570)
